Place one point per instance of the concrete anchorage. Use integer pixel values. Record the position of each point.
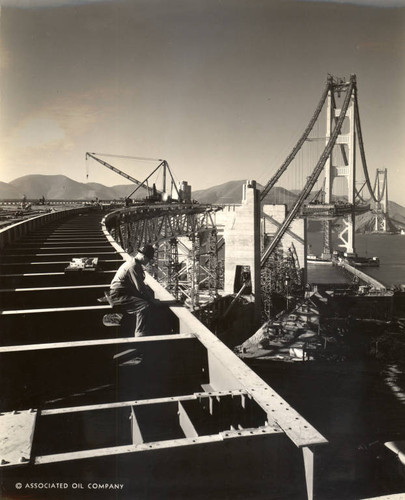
(245, 227)
(242, 246)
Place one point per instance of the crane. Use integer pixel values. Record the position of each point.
(152, 192)
(120, 172)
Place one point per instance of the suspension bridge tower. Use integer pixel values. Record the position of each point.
(341, 162)
(380, 212)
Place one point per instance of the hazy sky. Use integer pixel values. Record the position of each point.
(221, 89)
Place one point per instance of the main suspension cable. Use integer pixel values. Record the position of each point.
(299, 144)
(313, 177)
(362, 152)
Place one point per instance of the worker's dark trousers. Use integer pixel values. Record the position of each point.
(137, 306)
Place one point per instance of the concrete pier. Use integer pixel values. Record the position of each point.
(242, 237)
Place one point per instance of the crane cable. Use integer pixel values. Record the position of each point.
(128, 157)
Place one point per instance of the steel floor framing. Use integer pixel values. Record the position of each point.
(174, 415)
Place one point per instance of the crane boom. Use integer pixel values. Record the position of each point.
(120, 172)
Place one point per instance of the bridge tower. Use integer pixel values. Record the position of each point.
(380, 211)
(341, 165)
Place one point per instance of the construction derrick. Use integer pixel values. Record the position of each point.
(152, 193)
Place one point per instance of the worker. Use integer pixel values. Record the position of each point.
(129, 292)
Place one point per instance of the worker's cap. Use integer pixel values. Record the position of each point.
(148, 251)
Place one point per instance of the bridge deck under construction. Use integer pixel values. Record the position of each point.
(188, 421)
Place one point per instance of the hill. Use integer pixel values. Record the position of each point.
(60, 187)
(9, 191)
(396, 212)
(365, 222)
(231, 192)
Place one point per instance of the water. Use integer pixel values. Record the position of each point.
(390, 248)
(391, 251)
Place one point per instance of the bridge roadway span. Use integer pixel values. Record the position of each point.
(190, 421)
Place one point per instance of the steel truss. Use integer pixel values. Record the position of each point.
(281, 282)
(185, 238)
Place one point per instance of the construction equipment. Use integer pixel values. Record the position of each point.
(153, 193)
(78, 264)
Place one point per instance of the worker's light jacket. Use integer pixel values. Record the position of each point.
(130, 280)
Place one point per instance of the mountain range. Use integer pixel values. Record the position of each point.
(61, 187)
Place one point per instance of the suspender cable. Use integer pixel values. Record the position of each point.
(299, 144)
(362, 152)
(313, 177)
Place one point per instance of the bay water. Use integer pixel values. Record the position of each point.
(389, 248)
